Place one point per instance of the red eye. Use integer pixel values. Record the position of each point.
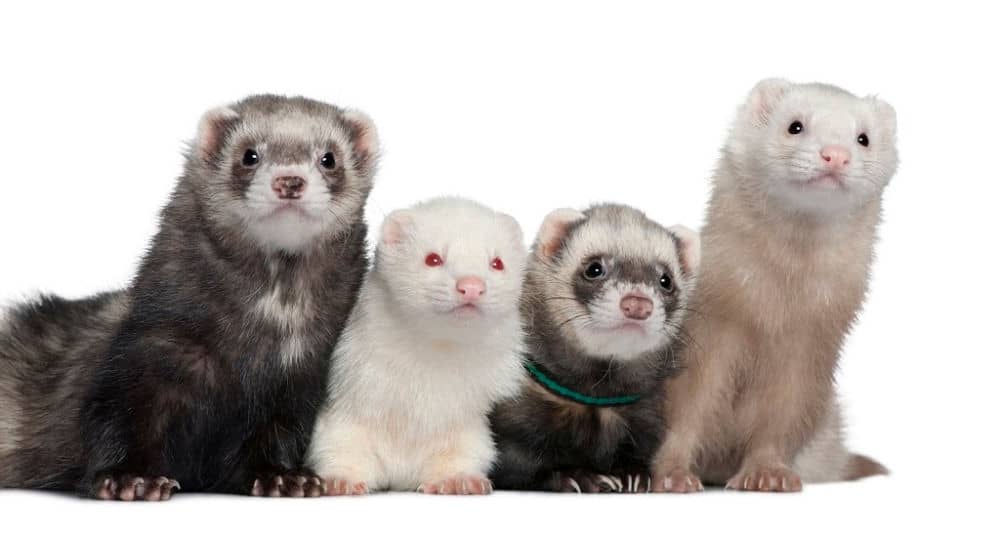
(497, 264)
(434, 260)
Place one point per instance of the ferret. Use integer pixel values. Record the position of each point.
(788, 246)
(431, 346)
(207, 373)
(605, 295)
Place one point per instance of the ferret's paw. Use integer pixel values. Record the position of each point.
(295, 485)
(585, 482)
(458, 485)
(346, 487)
(128, 488)
(766, 479)
(679, 481)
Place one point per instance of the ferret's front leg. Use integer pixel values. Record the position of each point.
(343, 454)
(778, 415)
(461, 465)
(127, 419)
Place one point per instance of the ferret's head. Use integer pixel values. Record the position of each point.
(287, 171)
(609, 281)
(452, 261)
(812, 148)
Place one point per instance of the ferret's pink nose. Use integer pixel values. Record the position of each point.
(836, 157)
(471, 288)
(288, 187)
(636, 307)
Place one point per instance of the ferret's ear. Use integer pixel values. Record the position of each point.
(212, 130)
(764, 99)
(364, 138)
(554, 230)
(396, 227)
(690, 251)
(512, 226)
(884, 113)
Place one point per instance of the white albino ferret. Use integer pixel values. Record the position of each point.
(431, 346)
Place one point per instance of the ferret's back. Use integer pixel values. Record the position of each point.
(48, 350)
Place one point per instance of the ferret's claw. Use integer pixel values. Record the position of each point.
(293, 485)
(129, 488)
(678, 481)
(458, 485)
(766, 479)
(346, 487)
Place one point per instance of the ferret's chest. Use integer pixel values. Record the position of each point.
(785, 290)
(570, 433)
(284, 321)
(412, 390)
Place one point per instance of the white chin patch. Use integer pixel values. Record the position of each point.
(285, 224)
(606, 333)
(820, 199)
(289, 231)
(625, 344)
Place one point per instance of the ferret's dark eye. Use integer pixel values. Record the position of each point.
(667, 282)
(795, 128)
(863, 139)
(327, 161)
(594, 271)
(250, 158)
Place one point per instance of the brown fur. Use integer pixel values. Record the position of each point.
(780, 286)
(862, 466)
(772, 309)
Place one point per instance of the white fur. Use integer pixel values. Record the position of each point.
(601, 332)
(825, 457)
(287, 230)
(412, 382)
(291, 317)
(830, 116)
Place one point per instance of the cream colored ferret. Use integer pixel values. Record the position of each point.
(787, 247)
(432, 344)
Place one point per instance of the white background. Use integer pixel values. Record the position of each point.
(530, 107)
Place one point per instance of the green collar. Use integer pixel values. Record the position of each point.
(551, 385)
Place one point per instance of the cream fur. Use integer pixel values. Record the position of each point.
(412, 383)
(784, 273)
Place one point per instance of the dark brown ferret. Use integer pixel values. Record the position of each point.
(787, 249)
(605, 294)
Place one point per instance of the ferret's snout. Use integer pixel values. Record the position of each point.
(470, 289)
(288, 187)
(636, 307)
(836, 157)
